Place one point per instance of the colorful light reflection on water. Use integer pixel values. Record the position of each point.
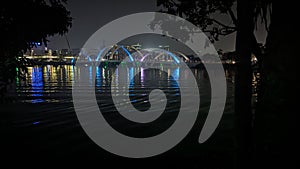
(45, 84)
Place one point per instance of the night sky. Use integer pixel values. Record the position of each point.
(90, 15)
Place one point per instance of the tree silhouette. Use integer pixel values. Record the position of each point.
(276, 115)
(23, 23)
(243, 16)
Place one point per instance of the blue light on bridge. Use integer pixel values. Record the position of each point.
(174, 57)
(89, 58)
(128, 53)
(100, 53)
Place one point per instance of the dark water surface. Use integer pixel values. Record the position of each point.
(43, 123)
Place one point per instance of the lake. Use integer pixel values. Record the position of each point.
(43, 122)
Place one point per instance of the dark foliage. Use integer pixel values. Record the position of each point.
(21, 24)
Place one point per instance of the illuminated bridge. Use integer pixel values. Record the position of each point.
(115, 55)
(130, 55)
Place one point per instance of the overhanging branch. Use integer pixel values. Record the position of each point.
(223, 25)
(233, 17)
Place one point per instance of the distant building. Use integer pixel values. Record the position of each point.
(37, 50)
(55, 53)
(64, 52)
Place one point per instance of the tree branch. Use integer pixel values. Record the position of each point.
(233, 17)
(221, 24)
(220, 31)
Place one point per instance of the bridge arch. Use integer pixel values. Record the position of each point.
(126, 51)
(181, 54)
(161, 52)
(102, 51)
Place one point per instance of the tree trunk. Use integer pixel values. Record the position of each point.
(276, 115)
(243, 87)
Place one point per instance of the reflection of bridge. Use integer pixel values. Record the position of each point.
(129, 54)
